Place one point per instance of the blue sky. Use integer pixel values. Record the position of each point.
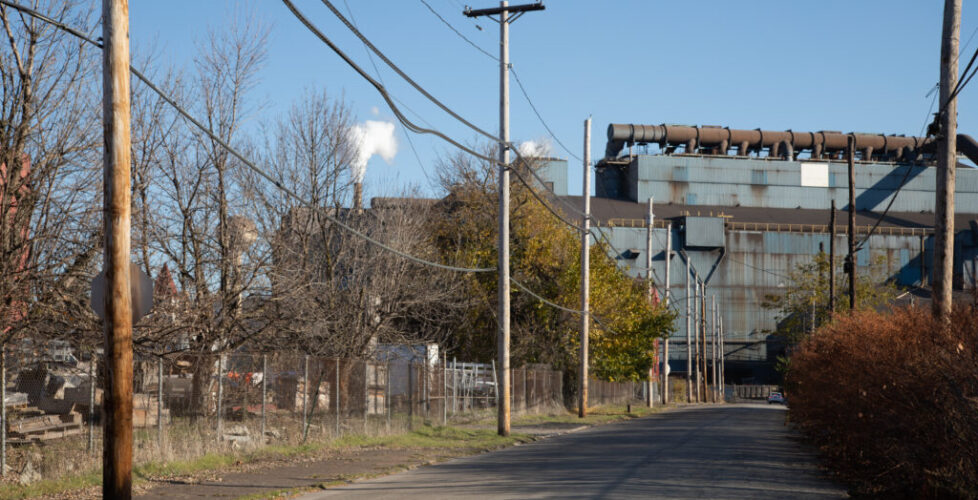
(861, 66)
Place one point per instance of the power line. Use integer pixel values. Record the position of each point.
(381, 78)
(459, 33)
(248, 163)
(516, 77)
(400, 116)
(529, 101)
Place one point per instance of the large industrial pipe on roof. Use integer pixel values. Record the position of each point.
(718, 140)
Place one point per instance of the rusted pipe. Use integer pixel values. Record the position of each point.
(821, 143)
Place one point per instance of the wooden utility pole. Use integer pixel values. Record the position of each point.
(851, 257)
(502, 340)
(664, 374)
(832, 260)
(117, 453)
(946, 159)
(585, 270)
(650, 222)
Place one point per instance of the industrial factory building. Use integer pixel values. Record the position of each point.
(747, 207)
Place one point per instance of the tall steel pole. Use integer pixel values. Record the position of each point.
(946, 158)
(832, 260)
(704, 371)
(713, 345)
(689, 335)
(117, 453)
(851, 258)
(502, 341)
(650, 223)
(585, 272)
(723, 362)
(665, 342)
(696, 334)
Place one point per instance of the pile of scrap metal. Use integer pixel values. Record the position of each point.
(46, 405)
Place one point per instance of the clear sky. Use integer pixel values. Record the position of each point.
(864, 66)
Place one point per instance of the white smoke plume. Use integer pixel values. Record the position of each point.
(536, 149)
(372, 138)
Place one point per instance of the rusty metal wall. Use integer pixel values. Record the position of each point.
(757, 263)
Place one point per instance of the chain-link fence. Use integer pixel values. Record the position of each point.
(189, 405)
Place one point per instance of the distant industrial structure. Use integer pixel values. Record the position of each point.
(748, 206)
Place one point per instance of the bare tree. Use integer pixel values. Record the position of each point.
(49, 147)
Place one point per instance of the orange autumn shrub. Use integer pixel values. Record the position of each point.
(891, 401)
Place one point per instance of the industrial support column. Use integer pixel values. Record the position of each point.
(704, 371)
(832, 260)
(117, 451)
(664, 374)
(713, 345)
(851, 258)
(946, 158)
(689, 340)
(502, 342)
(650, 222)
(696, 335)
(585, 271)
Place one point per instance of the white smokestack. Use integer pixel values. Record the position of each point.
(536, 149)
(372, 138)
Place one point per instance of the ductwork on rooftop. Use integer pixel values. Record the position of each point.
(712, 140)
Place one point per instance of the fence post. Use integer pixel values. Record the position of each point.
(91, 403)
(389, 405)
(410, 373)
(264, 389)
(526, 395)
(444, 389)
(305, 397)
(3, 410)
(220, 395)
(159, 403)
(337, 391)
(425, 383)
(454, 385)
(366, 394)
(495, 385)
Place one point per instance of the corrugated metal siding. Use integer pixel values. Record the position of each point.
(757, 264)
(777, 184)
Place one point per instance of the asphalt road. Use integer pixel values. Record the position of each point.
(724, 451)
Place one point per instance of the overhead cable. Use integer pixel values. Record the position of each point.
(248, 163)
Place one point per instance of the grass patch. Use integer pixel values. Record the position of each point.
(50, 486)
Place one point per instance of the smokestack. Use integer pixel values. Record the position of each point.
(358, 196)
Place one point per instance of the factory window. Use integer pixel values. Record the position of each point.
(758, 177)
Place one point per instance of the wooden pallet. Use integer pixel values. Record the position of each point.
(33, 426)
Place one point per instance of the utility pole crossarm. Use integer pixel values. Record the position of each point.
(512, 9)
